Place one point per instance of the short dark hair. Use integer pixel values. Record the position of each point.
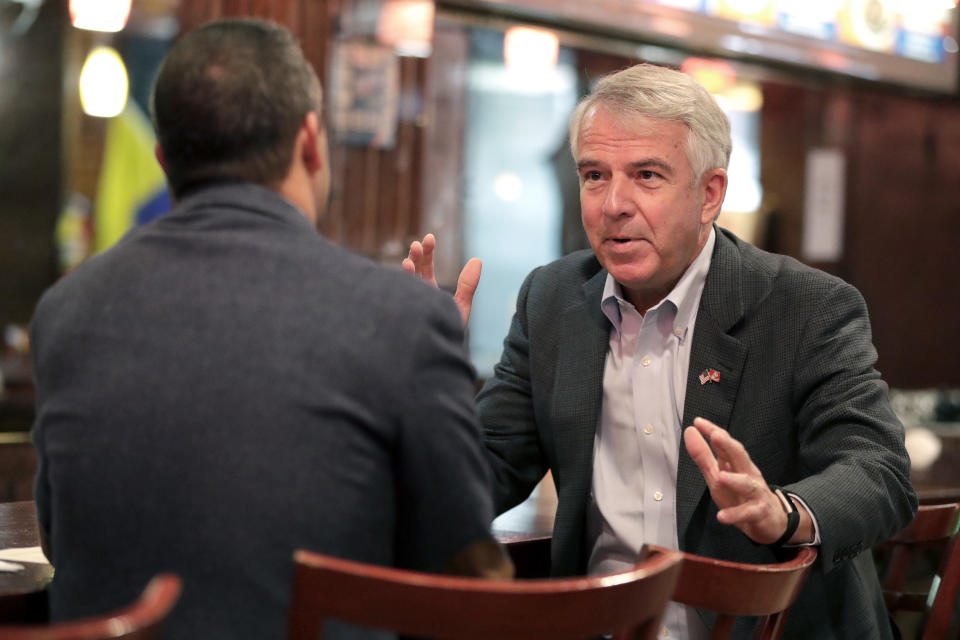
(228, 102)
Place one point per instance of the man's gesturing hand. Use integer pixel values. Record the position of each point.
(419, 262)
(738, 487)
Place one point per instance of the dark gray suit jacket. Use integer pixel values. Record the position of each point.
(225, 386)
(797, 387)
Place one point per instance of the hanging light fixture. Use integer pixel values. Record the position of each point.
(99, 15)
(407, 26)
(530, 50)
(717, 76)
(103, 83)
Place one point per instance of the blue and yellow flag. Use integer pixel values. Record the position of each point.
(132, 189)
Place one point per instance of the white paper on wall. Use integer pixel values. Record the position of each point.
(823, 208)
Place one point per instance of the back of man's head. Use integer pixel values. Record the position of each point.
(228, 102)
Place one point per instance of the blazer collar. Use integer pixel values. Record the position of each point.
(722, 298)
(583, 336)
(714, 347)
(249, 201)
(593, 291)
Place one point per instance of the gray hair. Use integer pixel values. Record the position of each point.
(658, 92)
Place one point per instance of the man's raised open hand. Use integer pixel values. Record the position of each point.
(738, 487)
(419, 262)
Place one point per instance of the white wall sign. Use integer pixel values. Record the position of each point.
(823, 207)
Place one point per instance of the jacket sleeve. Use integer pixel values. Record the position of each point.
(849, 438)
(506, 412)
(442, 480)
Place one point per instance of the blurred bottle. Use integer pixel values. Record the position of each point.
(947, 407)
(74, 232)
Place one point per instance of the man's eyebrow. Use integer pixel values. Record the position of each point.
(645, 163)
(648, 163)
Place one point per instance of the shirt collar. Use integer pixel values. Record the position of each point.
(684, 297)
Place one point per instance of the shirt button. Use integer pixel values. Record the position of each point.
(665, 632)
(658, 496)
(648, 429)
(645, 361)
(678, 331)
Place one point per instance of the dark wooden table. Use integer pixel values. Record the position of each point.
(526, 530)
(532, 518)
(23, 596)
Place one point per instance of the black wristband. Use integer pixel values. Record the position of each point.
(793, 516)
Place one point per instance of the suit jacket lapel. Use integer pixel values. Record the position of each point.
(721, 307)
(583, 338)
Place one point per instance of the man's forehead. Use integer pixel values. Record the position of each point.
(652, 139)
(634, 123)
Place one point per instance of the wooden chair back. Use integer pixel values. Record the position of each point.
(627, 605)
(934, 527)
(732, 589)
(141, 620)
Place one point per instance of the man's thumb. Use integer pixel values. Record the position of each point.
(467, 286)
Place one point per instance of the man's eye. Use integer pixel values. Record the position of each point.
(647, 175)
(592, 175)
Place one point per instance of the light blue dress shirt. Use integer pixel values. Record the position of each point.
(637, 445)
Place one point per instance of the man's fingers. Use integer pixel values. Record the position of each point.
(429, 243)
(706, 427)
(415, 255)
(469, 279)
(732, 454)
(426, 262)
(732, 451)
(419, 260)
(700, 452)
(736, 485)
(743, 513)
(467, 286)
(744, 485)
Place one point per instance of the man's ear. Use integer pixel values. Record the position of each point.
(160, 159)
(309, 143)
(714, 186)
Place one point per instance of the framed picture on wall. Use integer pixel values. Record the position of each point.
(364, 89)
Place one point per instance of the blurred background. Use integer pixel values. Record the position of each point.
(450, 116)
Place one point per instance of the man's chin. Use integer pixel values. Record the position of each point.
(629, 268)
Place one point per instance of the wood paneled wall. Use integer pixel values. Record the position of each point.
(902, 225)
(904, 233)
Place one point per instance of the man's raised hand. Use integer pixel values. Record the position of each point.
(419, 262)
(738, 487)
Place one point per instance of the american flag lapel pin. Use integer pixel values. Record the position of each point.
(709, 375)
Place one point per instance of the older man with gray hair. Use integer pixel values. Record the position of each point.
(672, 329)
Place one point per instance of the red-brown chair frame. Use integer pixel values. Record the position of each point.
(627, 604)
(141, 620)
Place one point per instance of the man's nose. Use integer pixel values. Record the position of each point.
(619, 201)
